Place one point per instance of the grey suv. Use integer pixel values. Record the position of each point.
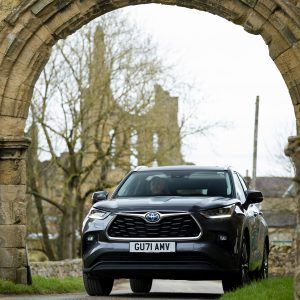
(186, 222)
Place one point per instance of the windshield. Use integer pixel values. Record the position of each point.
(186, 183)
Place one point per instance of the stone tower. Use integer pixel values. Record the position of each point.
(157, 131)
(161, 142)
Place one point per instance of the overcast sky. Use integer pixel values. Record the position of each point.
(230, 68)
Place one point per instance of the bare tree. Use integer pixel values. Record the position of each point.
(89, 104)
(82, 104)
(33, 173)
(284, 164)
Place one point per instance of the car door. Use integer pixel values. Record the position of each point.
(256, 227)
(250, 219)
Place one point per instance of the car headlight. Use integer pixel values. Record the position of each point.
(98, 214)
(218, 213)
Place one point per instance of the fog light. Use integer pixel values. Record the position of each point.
(90, 238)
(223, 237)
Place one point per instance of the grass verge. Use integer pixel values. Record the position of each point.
(43, 285)
(271, 288)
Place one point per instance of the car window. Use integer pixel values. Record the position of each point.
(176, 183)
(240, 194)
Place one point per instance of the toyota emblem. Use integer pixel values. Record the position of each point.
(152, 216)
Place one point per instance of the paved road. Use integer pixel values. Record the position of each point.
(161, 289)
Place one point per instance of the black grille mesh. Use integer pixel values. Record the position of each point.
(179, 226)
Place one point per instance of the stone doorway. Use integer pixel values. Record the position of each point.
(29, 29)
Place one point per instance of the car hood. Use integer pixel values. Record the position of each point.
(164, 203)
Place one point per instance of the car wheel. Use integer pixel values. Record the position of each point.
(242, 278)
(264, 270)
(97, 286)
(244, 270)
(141, 285)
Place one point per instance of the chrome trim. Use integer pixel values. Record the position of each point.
(143, 215)
(163, 215)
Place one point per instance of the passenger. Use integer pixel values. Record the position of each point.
(158, 186)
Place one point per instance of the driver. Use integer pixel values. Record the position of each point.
(158, 186)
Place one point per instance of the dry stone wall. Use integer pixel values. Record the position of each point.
(59, 269)
(281, 260)
(281, 216)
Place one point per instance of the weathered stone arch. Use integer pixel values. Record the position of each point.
(29, 28)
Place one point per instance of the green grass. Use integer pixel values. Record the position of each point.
(43, 285)
(272, 288)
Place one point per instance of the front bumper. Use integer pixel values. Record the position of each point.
(191, 261)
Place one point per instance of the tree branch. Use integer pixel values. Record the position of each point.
(59, 207)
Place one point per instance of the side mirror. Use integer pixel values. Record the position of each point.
(254, 197)
(99, 196)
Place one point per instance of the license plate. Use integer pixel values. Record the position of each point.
(152, 247)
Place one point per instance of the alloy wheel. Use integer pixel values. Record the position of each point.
(245, 276)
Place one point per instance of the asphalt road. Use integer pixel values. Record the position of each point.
(161, 289)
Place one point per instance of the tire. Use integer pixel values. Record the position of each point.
(97, 286)
(264, 270)
(243, 277)
(141, 285)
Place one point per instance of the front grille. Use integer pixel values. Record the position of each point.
(179, 226)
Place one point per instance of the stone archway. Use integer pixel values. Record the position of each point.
(29, 29)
